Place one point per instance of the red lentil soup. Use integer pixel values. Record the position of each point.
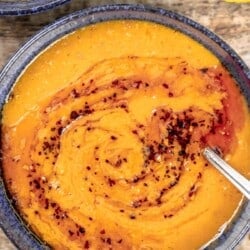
(103, 135)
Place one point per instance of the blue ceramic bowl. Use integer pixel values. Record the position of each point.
(19, 233)
(27, 7)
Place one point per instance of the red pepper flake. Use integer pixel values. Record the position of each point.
(118, 163)
(86, 245)
(73, 115)
(70, 232)
(75, 94)
(170, 94)
(172, 184)
(132, 217)
(165, 85)
(123, 106)
(192, 188)
(136, 179)
(113, 137)
(59, 130)
(181, 152)
(109, 241)
(37, 184)
(46, 203)
(88, 168)
(81, 230)
(190, 194)
(46, 145)
(137, 203)
(204, 70)
(157, 178)
(192, 157)
(168, 215)
(102, 231)
(94, 91)
(119, 241)
(53, 138)
(53, 204)
(111, 182)
(115, 82)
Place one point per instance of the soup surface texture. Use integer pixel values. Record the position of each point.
(103, 136)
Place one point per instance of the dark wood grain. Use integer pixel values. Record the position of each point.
(230, 21)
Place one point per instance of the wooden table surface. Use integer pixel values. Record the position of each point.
(230, 21)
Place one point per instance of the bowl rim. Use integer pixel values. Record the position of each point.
(90, 16)
(26, 8)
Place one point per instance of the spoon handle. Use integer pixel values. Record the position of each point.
(238, 180)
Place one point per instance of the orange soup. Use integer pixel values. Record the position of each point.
(103, 136)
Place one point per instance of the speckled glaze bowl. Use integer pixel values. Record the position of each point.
(231, 233)
(26, 7)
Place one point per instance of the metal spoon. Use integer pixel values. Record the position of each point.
(238, 180)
